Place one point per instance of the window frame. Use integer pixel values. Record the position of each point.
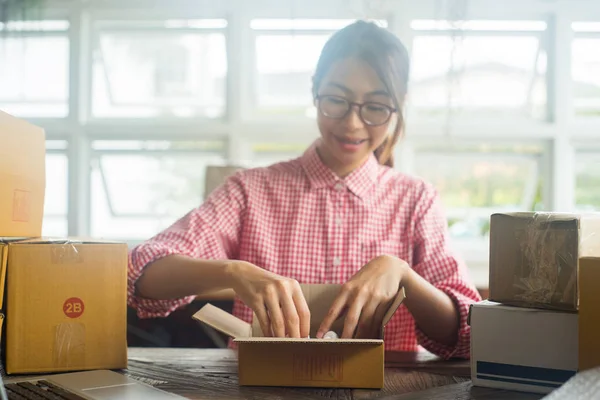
(541, 34)
(96, 166)
(50, 14)
(61, 151)
(100, 24)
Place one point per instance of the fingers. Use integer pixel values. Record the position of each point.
(352, 317)
(263, 319)
(275, 315)
(378, 318)
(282, 310)
(303, 312)
(367, 320)
(292, 320)
(334, 312)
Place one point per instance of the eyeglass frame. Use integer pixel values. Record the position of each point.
(359, 105)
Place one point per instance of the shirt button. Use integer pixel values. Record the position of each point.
(339, 186)
(336, 261)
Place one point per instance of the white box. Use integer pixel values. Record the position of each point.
(526, 349)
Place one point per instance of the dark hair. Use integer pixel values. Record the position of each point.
(385, 53)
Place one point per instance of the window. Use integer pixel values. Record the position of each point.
(34, 68)
(140, 188)
(56, 198)
(478, 69)
(587, 181)
(475, 181)
(287, 51)
(585, 64)
(168, 69)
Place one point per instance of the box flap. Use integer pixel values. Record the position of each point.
(22, 177)
(394, 306)
(223, 321)
(319, 298)
(18, 134)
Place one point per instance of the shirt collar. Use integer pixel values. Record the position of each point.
(319, 175)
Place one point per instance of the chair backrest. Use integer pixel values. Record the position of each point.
(216, 175)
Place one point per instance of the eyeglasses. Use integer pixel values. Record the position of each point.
(370, 113)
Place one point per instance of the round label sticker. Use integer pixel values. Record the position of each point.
(73, 307)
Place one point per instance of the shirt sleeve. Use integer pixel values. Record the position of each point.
(209, 232)
(434, 261)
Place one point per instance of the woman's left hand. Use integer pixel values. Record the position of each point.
(366, 297)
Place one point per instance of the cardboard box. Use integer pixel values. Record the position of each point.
(526, 349)
(534, 257)
(269, 361)
(65, 306)
(22, 177)
(589, 313)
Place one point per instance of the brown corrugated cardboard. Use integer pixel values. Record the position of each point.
(518, 348)
(65, 305)
(269, 361)
(589, 313)
(22, 177)
(534, 257)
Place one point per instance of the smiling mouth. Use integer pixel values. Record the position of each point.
(348, 141)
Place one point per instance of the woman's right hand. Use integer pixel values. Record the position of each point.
(277, 301)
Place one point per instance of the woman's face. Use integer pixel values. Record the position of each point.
(347, 139)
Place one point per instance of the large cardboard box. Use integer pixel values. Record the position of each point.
(65, 306)
(22, 177)
(534, 257)
(269, 361)
(526, 349)
(589, 313)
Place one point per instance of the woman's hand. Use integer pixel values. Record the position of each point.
(278, 302)
(366, 297)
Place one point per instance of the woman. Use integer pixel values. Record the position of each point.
(337, 214)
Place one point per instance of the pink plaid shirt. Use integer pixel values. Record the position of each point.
(299, 220)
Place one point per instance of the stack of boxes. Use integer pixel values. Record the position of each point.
(541, 324)
(62, 300)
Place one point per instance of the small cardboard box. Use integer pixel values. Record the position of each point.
(526, 349)
(269, 361)
(65, 306)
(534, 257)
(22, 177)
(589, 313)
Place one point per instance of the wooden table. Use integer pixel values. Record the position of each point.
(212, 374)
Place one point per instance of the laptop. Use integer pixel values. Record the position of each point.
(86, 385)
